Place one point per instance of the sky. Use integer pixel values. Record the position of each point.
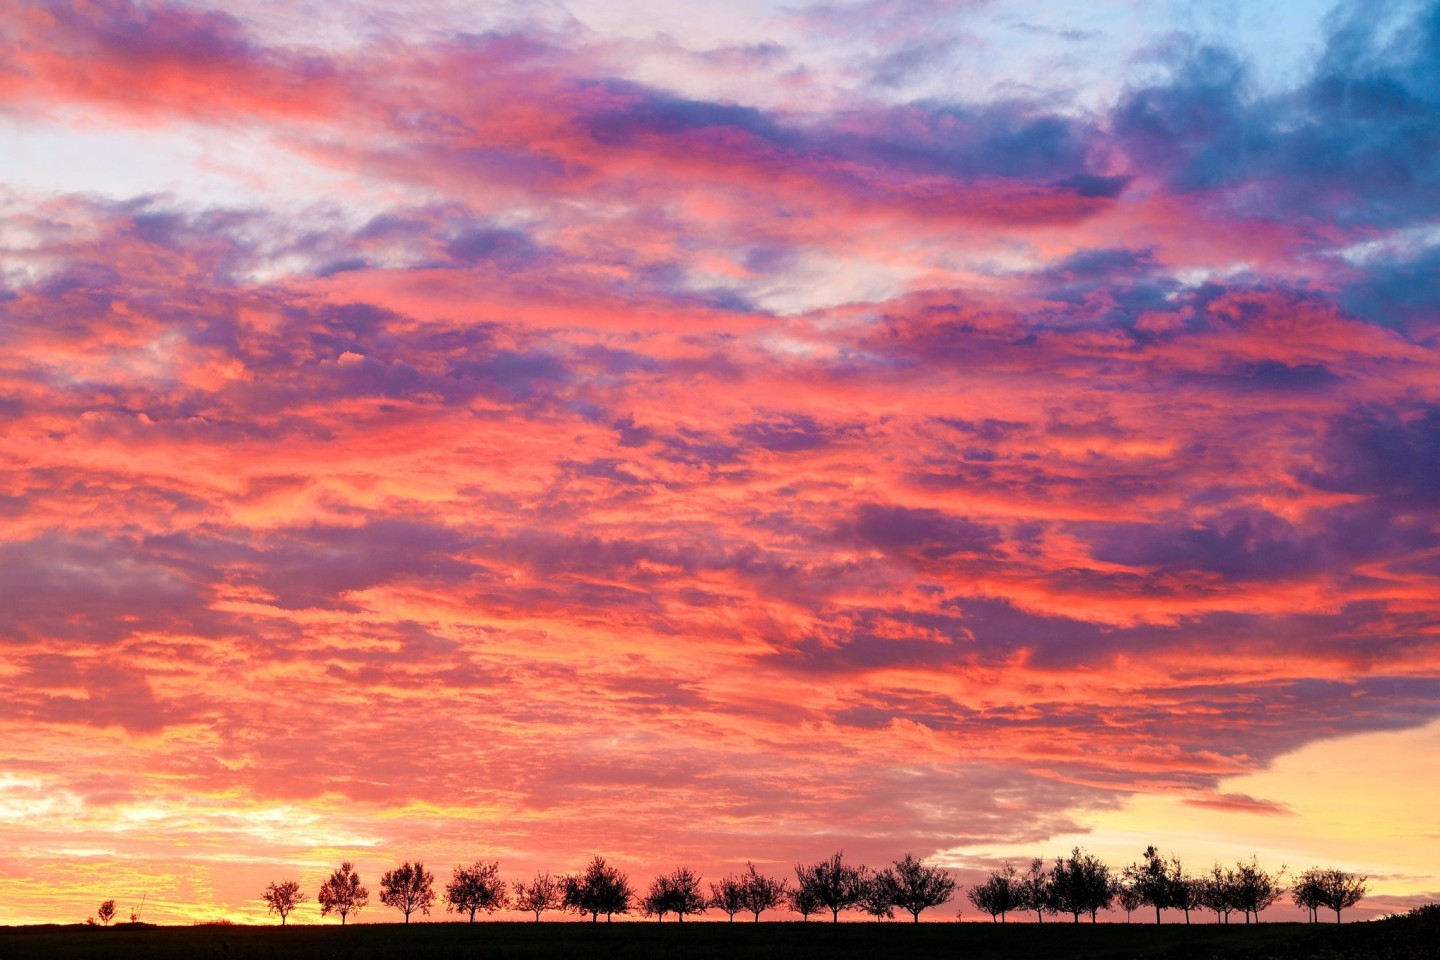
(693, 433)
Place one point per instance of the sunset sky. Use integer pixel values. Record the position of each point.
(696, 432)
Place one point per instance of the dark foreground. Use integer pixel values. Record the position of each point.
(1416, 936)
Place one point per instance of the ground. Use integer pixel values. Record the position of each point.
(1396, 939)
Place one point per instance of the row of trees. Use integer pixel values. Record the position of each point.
(601, 889)
(1081, 884)
(1078, 885)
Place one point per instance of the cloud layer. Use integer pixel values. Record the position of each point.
(596, 466)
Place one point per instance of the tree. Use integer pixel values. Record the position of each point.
(763, 893)
(282, 897)
(407, 888)
(1330, 888)
(1081, 884)
(1001, 892)
(1128, 897)
(803, 901)
(106, 913)
(1037, 890)
(1152, 881)
(1306, 893)
(1254, 889)
(541, 894)
(677, 892)
(916, 887)
(1188, 893)
(342, 893)
(1217, 892)
(878, 896)
(728, 895)
(836, 884)
(476, 887)
(600, 889)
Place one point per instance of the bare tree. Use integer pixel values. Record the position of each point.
(476, 887)
(1001, 892)
(763, 893)
(600, 889)
(1151, 880)
(1253, 888)
(913, 886)
(541, 894)
(282, 897)
(728, 895)
(1330, 888)
(1306, 893)
(1188, 893)
(407, 888)
(342, 893)
(1217, 892)
(1128, 897)
(836, 884)
(877, 896)
(677, 892)
(1037, 890)
(1082, 884)
(802, 900)
(106, 913)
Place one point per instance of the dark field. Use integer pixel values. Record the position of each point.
(1395, 939)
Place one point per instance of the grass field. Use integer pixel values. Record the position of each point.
(1395, 939)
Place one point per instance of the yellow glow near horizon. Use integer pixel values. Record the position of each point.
(1350, 805)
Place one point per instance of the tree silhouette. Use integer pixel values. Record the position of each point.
(600, 889)
(106, 912)
(1186, 893)
(476, 887)
(282, 897)
(1306, 893)
(541, 894)
(1001, 892)
(763, 893)
(1330, 888)
(877, 896)
(1152, 881)
(728, 895)
(1081, 883)
(803, 901)
(913, 886)
(677, 893)
(1128, 898)
(1253, 888)
(342, 893)
(1037, 890)
(835, 884)
(407, 888)
(1217, 892)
